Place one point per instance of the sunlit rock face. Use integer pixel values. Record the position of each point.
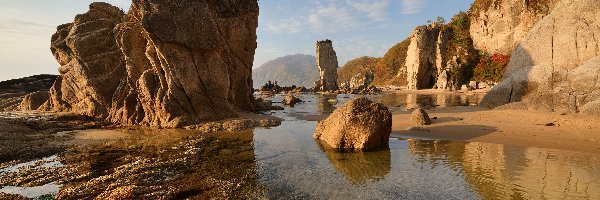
(358, 125)
(499, 26)
(555, 68)
(91, 63)
(327, 63)
(164, 64)
(424, 56)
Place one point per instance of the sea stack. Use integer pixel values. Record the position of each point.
(327, 63)
(151, 67)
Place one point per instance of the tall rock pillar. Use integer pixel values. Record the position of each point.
(327, 63)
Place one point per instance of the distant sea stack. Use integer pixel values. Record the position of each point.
(327, 63)
(151, 67)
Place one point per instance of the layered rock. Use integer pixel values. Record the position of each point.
(327, 63)
(158, 68)
(34, 100)
(555, 68)
(187, 68)
(91, 62)
(424, 56)
(361, 81)
(497, 26)
(359, 124)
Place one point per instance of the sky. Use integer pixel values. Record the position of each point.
(356, 27)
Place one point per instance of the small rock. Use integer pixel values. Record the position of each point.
(420, 117)
(291, 100)
(416, 128)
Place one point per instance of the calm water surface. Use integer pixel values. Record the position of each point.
(291, 165)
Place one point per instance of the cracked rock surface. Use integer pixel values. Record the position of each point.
(556, 67)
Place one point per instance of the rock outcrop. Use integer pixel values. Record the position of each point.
(497, 26)
(556, 67)
(420, 117)
(359, 124)
(34, 101)
(154, 67)
(425, 55)
(91, 63)
(362, 81)
(327, 63)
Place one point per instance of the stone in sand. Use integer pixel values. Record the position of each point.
(420, 117)
(359, 124)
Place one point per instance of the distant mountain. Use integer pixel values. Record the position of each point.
(299, 70)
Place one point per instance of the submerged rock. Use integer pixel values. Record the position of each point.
(154, 67)
(420, 117)
(359, 124)
(291, 100)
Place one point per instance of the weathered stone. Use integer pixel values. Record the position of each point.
(420, 117)
(34, 100)
(500, 27)
(472, 85)
(555, 68)
(291, 100)
(359, 124)
(153, 67)
(424, 58)
(91, 62)
(362, 81)
(327, 63)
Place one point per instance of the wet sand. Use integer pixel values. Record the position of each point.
(515, 127)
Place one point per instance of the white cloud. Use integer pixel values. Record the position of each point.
(412, 6)
(376, 10)
(289, 26)
(332, 19)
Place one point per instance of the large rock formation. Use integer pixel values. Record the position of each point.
(424, 56)
(556, 67)
(327, 63)
(359, 124)
(497, 26)
(91, 62)
(158, 68)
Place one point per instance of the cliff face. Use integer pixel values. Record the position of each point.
(497, 26)
(91, 62)
(425, 56)
(555, 68)
(158, 68)
(327, 63)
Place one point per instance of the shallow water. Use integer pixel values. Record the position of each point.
(293, 165)
(290, 164)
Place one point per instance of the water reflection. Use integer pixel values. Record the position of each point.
(428, 101)
(327, 103)
(360, 167)
(510, 172)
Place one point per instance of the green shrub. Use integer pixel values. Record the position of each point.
(491, 68)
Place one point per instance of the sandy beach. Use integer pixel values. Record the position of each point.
(513, 127)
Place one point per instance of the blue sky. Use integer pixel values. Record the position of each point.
(357, 28)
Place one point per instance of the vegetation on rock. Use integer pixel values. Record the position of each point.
(391, 69)
(491, 68)
(360, 66)
(460, 44)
